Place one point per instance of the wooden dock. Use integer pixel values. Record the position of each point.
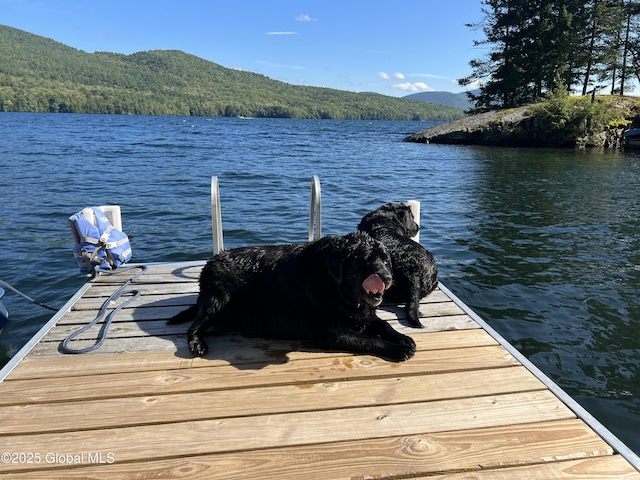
(466, 406)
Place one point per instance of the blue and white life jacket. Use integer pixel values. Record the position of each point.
(99, 246)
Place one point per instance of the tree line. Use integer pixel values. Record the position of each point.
(537, 46)
(42, 75)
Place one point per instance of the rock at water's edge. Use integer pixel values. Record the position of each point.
(509, 128)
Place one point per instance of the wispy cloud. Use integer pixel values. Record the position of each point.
(413, 87)
(281, 33)
(303, 17)
(473, 85)
(428, 75)
(406, 86)
(386, 76)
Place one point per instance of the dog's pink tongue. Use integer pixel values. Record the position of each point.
(373, 284)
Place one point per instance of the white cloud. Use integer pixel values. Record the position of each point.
(303, 17)
(386, 76)
(476, 84)
(281, 33)
(413, 87)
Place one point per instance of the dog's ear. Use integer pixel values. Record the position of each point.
(334, 264)
(410, 225)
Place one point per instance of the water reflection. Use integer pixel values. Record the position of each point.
(556, 239)
(542, 243)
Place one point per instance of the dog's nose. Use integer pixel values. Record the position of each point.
(385, 275)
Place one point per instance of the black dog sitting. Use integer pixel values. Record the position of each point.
(325, 292)
(415, 273)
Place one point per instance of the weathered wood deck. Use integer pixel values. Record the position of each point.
(142, 407)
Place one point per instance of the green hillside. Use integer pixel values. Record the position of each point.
(458, 100)
(41, 75)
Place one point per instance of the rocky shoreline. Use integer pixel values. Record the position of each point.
(522, 127)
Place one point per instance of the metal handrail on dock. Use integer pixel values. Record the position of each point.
(315, 213)
(216, 217)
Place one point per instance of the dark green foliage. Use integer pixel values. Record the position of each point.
(41, 75)
(578, 119)
(458, 100)
(589, 45)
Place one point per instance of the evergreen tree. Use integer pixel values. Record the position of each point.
(587, 44)
(602, 33)
(500, 72)
(626, 47)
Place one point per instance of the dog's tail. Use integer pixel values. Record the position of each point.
(184, 316)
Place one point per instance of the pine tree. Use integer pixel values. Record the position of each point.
(587, 45)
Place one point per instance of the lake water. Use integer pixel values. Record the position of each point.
(543, 244)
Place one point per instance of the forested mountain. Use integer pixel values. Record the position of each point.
(42, 75)
(536, 46)
(457, 100)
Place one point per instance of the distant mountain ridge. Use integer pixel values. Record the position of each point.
(38, 74)
(456, 100)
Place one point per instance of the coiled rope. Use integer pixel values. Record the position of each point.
(115, 296)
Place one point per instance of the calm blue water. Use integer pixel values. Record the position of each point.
(544, 244)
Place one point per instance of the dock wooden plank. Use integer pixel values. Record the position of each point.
(122, 411)
(184, 299)
(145, 343)
(301, 428)
(142, 407)
(406, 456)
(474, 452)
(228, 376)
(160, 313)
(160, 300)
(196, 468)
(229, 348)
(153, 322)
(118, 346)
(600, 468)
(106, 290)
(172, 272)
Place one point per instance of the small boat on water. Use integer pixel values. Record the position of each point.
(632, 138)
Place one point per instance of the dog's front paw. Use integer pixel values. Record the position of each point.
(408, 342)
(415, 323)
(399, 352)
(413, 316)
(198, 347)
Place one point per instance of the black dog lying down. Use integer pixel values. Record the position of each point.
(325, 292)
(415, 273)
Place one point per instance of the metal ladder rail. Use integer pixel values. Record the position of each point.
(216, 217)
(315, 213)
(315, 210)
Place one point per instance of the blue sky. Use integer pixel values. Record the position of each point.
(375, 46)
